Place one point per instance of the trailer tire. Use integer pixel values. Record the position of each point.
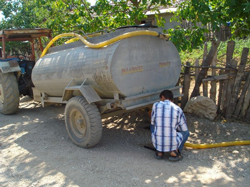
(9, 93)
(83, 122)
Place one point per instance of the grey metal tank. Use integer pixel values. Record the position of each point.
(129, 67)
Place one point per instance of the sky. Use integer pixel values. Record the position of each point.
(92, 1)
(1, 15)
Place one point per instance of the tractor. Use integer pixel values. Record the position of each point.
(16, 69)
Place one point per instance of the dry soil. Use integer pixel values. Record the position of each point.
(35, 150)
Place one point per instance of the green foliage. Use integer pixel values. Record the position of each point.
(79, 16)
(187, 39)
(62, 16)
(76, 15)
(213, 12)
(221, 57)
(17, 48)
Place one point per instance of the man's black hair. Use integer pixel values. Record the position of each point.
(168, 94)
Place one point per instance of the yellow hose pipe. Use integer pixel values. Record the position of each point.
(85, 37)
(72, 40)
(214, 145)
(104, 43)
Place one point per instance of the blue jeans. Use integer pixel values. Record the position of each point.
(152, 128)
(185, 135)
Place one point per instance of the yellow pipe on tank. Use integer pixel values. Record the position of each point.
(214, 145)
(72, 40)
(104, 43)
(85, 37)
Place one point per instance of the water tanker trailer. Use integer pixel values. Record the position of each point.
(105, 75)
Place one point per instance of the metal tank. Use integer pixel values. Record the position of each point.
(126, 75)
(129, 67)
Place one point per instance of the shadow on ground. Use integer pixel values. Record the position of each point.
(36, 151)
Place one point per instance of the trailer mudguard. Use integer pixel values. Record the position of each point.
(87, 92)
(9, 66)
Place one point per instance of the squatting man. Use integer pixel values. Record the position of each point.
(169, 129)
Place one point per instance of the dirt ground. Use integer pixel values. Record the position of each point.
(37, 151)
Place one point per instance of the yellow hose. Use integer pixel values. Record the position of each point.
(104, 43)
(85, 37)
(72, 40)
(222, 144)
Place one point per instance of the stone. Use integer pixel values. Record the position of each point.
(201, 106)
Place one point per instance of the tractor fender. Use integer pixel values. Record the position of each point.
(9, 66)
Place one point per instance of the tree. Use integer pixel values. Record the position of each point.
(76, 15)
(18, 14)
(118, 13)
(73, 15)
(235, 13)
(79, 16)
(218, 13)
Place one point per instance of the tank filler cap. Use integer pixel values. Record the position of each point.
(163, 36)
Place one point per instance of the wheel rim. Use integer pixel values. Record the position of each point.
(1, 95)
(77, 123)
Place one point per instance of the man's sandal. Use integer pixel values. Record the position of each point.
(157, 156)
(176, 158)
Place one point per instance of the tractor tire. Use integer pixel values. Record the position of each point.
(83, 122)
(9, 94)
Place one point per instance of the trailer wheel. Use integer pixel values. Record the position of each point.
(83, 122)
(9, 93)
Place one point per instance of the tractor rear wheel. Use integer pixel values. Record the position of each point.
(9, 93)
(83, 122)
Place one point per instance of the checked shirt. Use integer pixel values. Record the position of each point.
(168, 120)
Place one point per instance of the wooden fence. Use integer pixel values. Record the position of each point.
(229, 85)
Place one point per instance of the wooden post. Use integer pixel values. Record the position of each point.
(40, 44)
(33, 56)
(177, 99)
(207, 62)
(205, 88)
(3, 51)
(237, 83)
(229, 91)
(186, 85)
(197, 70)
(220, 99)
(248, 114)
(245, 103)
(213, 83)
(230, 51)
(205, 84)
(242, 96)
(229, 64)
